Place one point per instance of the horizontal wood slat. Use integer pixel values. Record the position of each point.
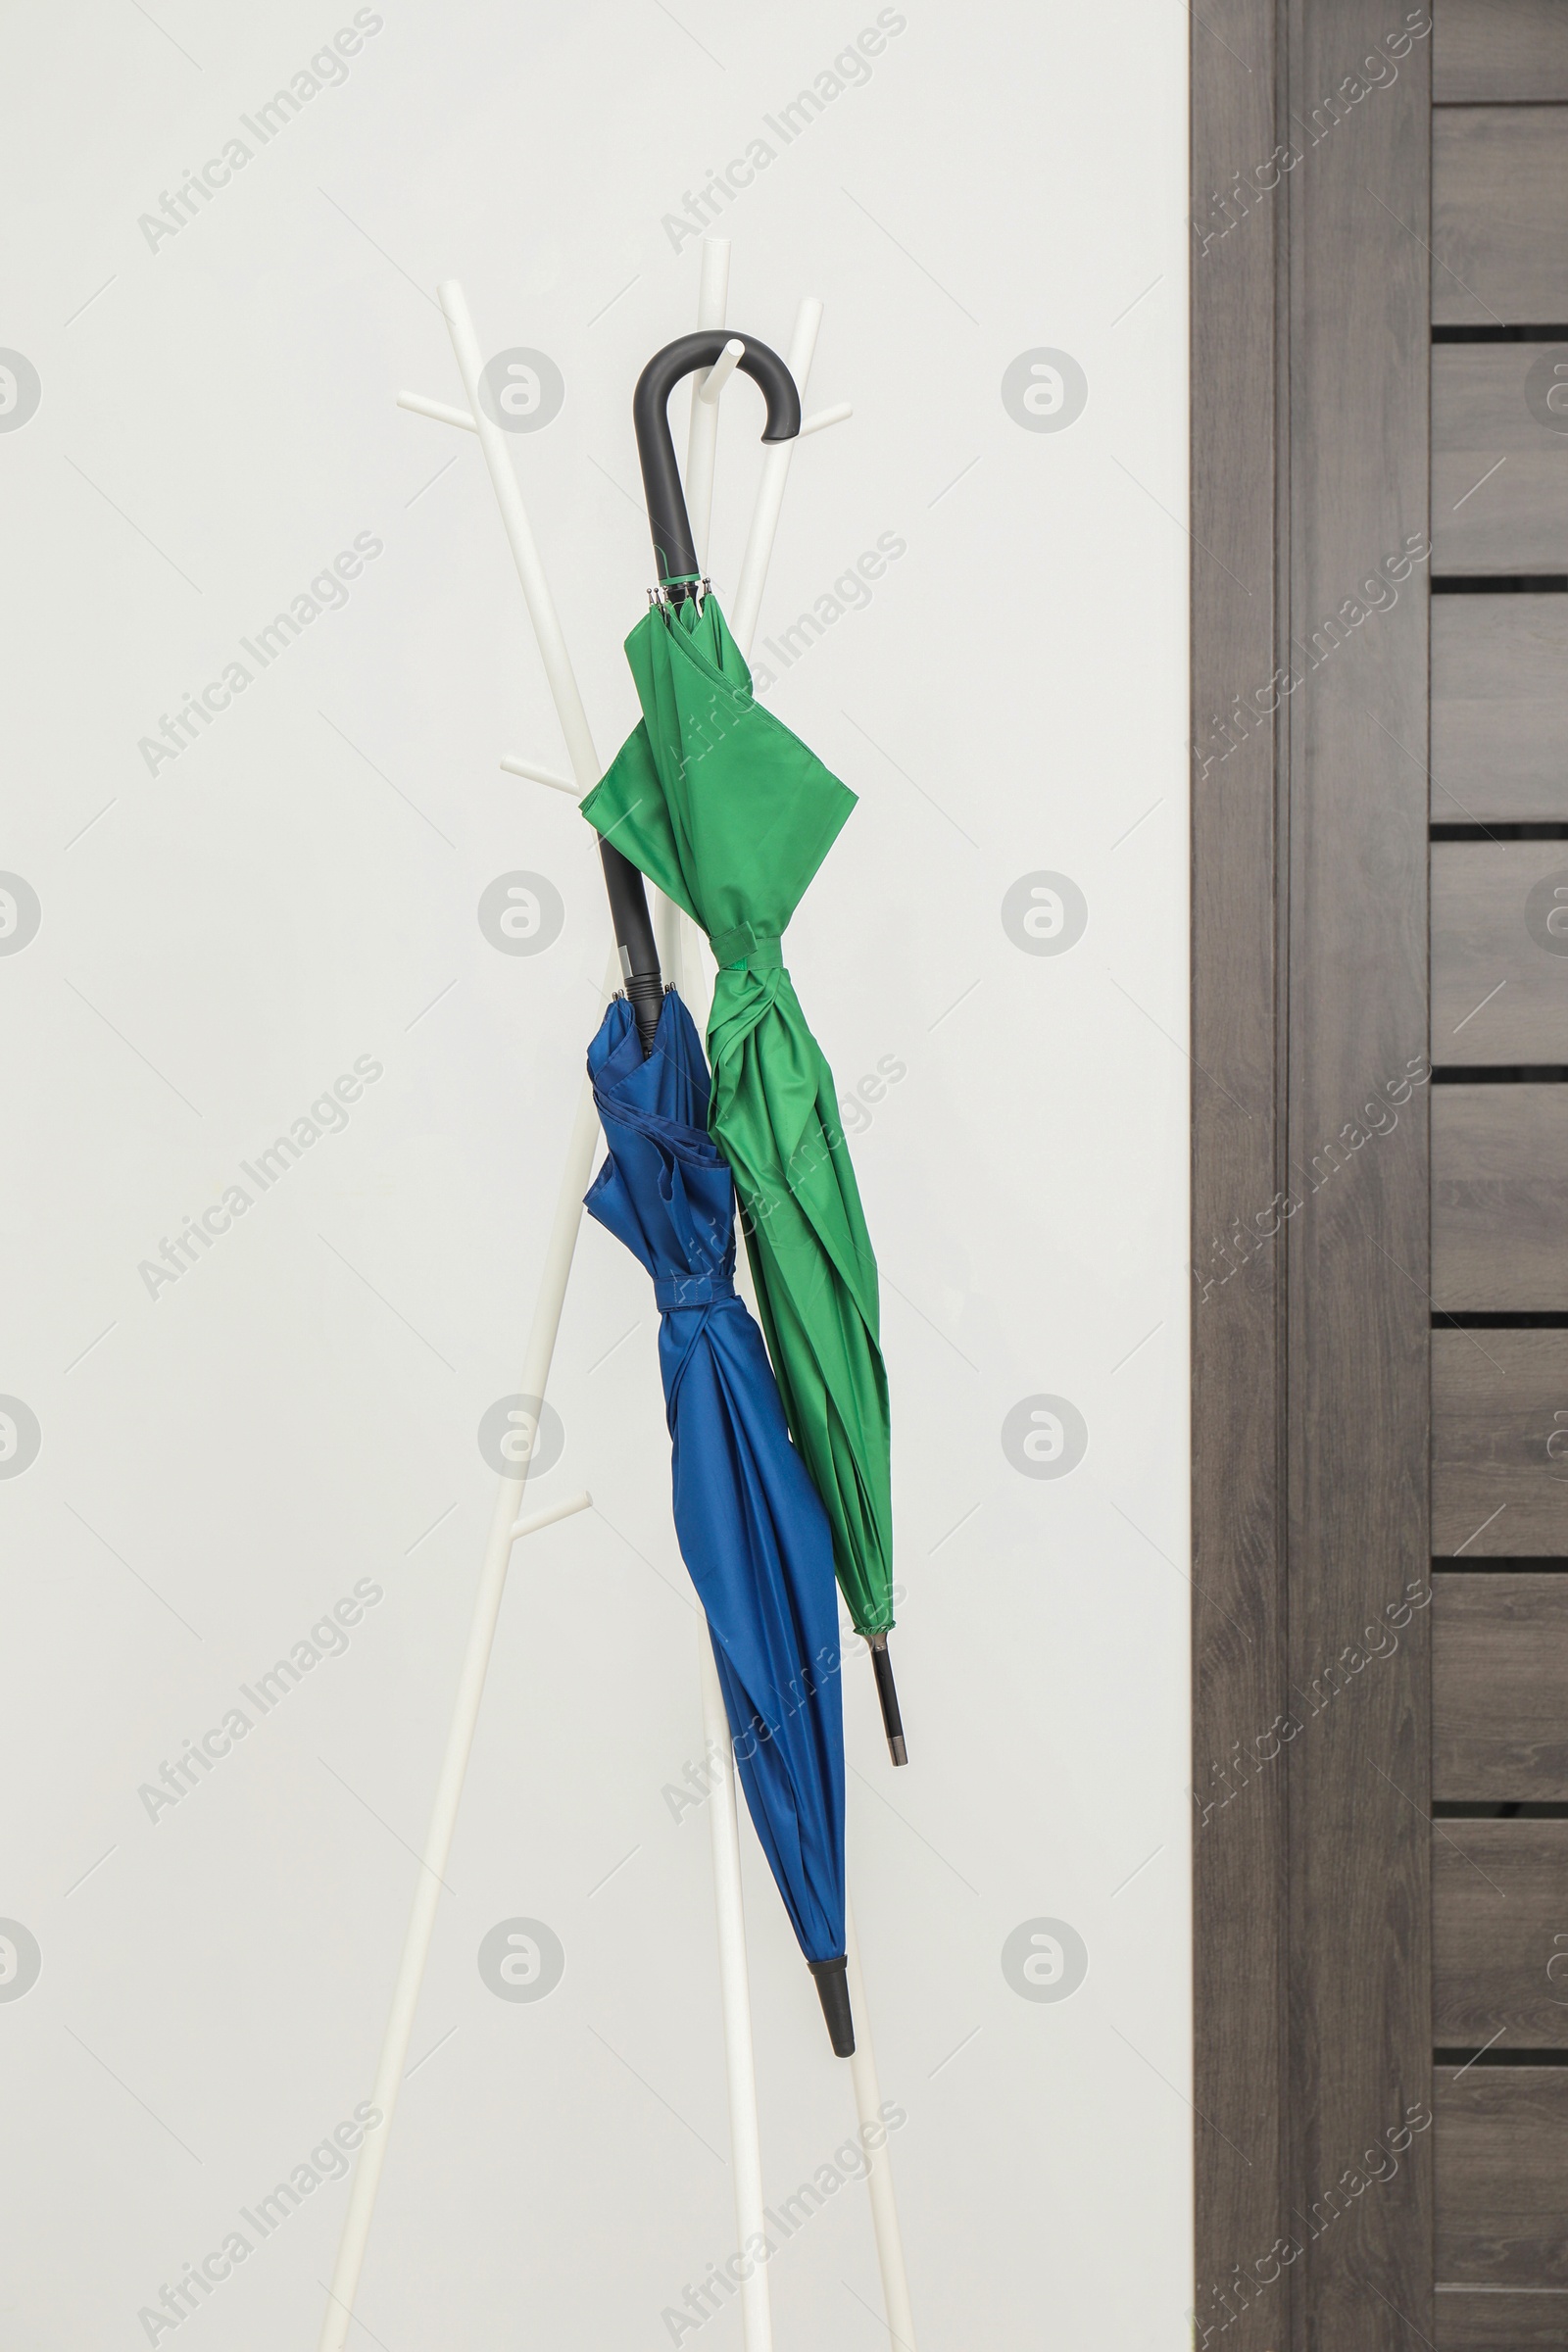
(1499, 1690)
(1501, 2151)
(1499, 1197)
(1499, 215)
(1497, 1492)
(1500, 706)
(1499, 476)
(1500, 952)
(1499, 1932)
(1494, 2322)
(1498, 49)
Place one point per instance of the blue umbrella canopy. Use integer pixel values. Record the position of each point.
(751, 1527)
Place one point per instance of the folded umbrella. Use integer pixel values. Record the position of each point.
(731, 814)
(750, 1528)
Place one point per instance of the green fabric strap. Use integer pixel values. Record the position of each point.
(743, 948)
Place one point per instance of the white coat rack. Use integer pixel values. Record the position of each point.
(687, 969)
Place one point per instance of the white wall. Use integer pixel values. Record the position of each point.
(220, 939)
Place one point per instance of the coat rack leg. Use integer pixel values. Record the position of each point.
(879, 2175)
(702, 436)
(745, 2136)
(681, 948)
(867, 2097)
(460, 1741)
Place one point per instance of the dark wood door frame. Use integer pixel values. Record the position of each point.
(1311, 1315)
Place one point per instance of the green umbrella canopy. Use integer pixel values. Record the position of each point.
(731, 814)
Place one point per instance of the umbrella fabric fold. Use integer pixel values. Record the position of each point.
(731, 814)
(750, 1528)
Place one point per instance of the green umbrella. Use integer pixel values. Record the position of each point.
(730, 815)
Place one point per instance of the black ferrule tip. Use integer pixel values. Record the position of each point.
(887, 1692)
(833, 1992)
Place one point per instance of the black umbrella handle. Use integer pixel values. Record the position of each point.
(634, 942)
(674, 553)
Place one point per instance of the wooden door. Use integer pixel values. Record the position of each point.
(1379, 1047)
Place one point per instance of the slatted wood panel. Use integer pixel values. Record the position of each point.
(1490, 2321)
(1499, 215)
(1500, 704)
(1499, 1690)
(1499, 1197)
(1500, 952)
(1501, 2151)
(1497, 49)
(1499, 486)
(1500, 478)
(1499, 1932)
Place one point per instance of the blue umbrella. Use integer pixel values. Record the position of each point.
(751, 1527)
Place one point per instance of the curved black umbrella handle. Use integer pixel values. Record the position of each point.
(667, 518)
(676, 559)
